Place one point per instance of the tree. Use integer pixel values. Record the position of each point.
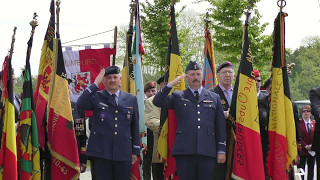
(155, 26)
(305, 75)
(228, 20)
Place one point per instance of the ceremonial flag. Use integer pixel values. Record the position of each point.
(139, 89)
(41, 92)
(8, 153)
(209, 70)
(61, 135)
(169, 126)
(247, 158)
(83, 66)
(29, 153)
(127, 76)
(282, 132)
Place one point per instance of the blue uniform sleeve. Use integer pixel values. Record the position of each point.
(220, 125)
(162, 99)
(84, 101)
(135, 129)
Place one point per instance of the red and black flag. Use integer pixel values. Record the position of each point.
(169, 122)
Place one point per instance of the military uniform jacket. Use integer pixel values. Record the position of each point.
(115, 128)
(201, 128)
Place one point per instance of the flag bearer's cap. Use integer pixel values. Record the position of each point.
(112, 70)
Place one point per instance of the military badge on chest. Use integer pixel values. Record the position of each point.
(103, 115)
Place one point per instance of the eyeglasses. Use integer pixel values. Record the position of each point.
(306, 110)
(258, 80)
(225, 72)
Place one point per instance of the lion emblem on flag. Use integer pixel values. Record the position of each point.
(80, 81)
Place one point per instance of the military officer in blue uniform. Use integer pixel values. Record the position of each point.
(114, 138)
(201, 131)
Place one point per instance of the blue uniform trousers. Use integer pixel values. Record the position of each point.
(195, 167)
(112, 170)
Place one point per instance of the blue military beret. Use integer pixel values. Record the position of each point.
(224, 64)
(112, 70)
(193, 66)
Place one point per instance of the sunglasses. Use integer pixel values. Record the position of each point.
(258, 80)
(306, 111)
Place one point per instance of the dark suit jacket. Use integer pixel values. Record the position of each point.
(225, 107)
(200, 124)
(314, 96)
(305, 138)
(115, 128)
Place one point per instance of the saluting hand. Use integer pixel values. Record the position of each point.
(177, 80)
(99, 78)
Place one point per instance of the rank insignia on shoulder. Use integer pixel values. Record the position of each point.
(223, 102)
(183, 99)
(103, 104)
(207, 101)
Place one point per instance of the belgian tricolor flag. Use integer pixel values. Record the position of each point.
(247, 157)
(169, 122)
(282, 132)
(8, 153)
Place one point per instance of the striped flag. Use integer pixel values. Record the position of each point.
(41, 92)
(169, 122)
(138, 80)
(61, 135)
(209, 70)
(282, 132)
(8, 153)
(29, 153)
(247, 158)
(127, 78)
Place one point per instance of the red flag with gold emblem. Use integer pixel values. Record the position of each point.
(41, 93)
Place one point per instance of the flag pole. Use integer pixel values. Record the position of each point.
(58, 13)
(114, 45)
(34, 24)
(12, 43)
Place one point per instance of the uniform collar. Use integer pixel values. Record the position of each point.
(199, 90)
(117, 93)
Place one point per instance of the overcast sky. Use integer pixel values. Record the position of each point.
(80, 18)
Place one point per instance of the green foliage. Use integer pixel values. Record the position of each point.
(228, 20)
(155, 25)
(305, 75)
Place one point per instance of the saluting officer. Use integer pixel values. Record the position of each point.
(114, 138)
(201, 131)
